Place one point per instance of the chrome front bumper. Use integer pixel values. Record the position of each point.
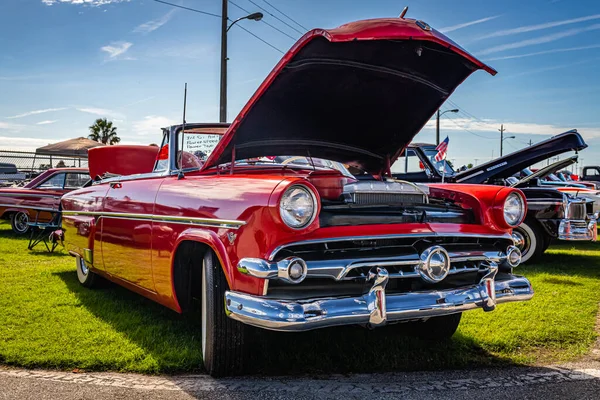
(375, 308)
(578, 230)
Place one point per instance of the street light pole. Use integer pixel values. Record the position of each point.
(502, 138)
(223, 100)
(437, 124)
(224, 29)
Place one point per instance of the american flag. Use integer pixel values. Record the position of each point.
(442, 149)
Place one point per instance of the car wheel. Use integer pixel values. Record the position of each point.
(86, 277)
(547, 242)
(222, 337)
(436, 328)
(19, 222)
(531, 241)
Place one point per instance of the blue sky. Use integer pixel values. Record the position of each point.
(64, 63)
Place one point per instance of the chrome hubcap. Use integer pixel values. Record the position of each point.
(521, 241)
(83, 267)
(20, 221)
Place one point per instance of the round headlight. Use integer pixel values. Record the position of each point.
(298, 207)
(513, 209)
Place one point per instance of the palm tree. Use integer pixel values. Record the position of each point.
(103, 131)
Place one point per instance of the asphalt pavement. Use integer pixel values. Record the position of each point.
(572, 381)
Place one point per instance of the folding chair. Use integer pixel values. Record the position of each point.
(45, 232)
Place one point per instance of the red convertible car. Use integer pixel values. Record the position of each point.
(297, 246)
(40, 197)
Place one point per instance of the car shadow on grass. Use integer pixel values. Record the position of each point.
(173, 341)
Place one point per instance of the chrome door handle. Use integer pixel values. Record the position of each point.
(116, 185)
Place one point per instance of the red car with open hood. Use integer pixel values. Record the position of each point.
(266, 227)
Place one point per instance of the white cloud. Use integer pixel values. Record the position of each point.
(115, 49)
(48, 122)
(152, 124)
(537, 53)
(101, 112)
(521, 128)
(154, 24)
(35, 112)
(466, 24)
(546, 25)
(26, 143)
(93, 3)
(539, 40)
(10, 127)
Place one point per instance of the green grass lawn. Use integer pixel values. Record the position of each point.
(47, 320)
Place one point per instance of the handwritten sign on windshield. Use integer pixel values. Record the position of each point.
(200, 144)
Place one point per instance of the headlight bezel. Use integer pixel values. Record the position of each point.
(521, 200)
(315, 207)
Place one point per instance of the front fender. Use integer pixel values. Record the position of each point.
(485, 201)
(219, 245)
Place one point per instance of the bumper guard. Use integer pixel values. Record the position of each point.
(375, 307)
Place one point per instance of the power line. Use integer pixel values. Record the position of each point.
(187, 8)
(461, 109)
(285, 15)
(465, 129)
(219, 16)
(264, 22)
(261, 39)
(274, 16)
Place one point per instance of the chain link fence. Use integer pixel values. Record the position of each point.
(32, 164)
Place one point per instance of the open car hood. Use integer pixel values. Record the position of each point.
(547, 170)
(512, 163)
(356, 94)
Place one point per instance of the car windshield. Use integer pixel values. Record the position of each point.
(442, 166)
(301, 161)
(554, 178)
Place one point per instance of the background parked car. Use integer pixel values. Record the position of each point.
(551, 214)
(40, 197)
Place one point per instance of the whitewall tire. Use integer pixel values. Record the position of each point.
(222, 337)
(86, 277)
(531, 238)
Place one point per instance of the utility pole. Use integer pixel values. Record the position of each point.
(501, 137)
(530, 142)
(223, 102)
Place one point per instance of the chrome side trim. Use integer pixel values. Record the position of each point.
(29, 195)
(375, 307)
(398, 236)
(173, 219)
(125, 178)
(29, 207)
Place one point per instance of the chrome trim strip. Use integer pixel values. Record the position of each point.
(29, 207)
(174, 219)
(375, 307)
(29, 195)
(383, 237)
(125, 178)
(545, 202)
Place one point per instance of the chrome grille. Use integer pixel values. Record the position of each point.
(370, 198)
(577, 211)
